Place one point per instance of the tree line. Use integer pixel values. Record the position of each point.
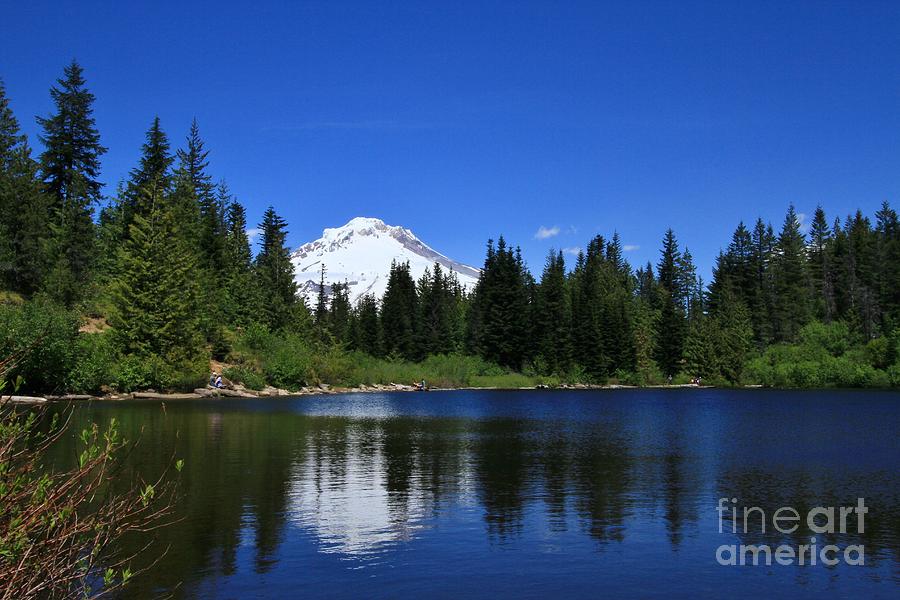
(167, 263)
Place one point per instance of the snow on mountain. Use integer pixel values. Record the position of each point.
(361, 252)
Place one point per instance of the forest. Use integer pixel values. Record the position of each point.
(141, 288)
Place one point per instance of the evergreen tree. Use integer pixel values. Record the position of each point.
(339, 314)
(70, 163)
(554, 317)
(70, 168)
(367, 326)
(275, 274)
(23, 208)
(671, 300)
(240, 304)
(156, 295)
(321, 314)
(502, 305)
(819, 267)
(399, 313)
(789, 279)
(887, 229)
(761, 303)
(151, 180)
(437, 299)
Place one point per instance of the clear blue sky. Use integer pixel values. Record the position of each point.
(462, 120)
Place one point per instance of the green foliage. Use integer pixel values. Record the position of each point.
(96, 357)
(133, 372)
(44, 335)
(823, 358)
(275, 273)
(246, 376)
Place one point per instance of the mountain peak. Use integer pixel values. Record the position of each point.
(360, 253)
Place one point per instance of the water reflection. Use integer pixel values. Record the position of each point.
(270, 490)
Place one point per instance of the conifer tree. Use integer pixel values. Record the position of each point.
(192, 183)
(399, 312)
(887, 229)
(339, 313)
(240, 302)
(321, 314)
(151, 180)
(70, 162)
(23, 208)
(671, 304)
(761, 303)
(437, 302)
(819, 267)
(70, 168)
(156, 294)
(790, 283)
(367, 326)
(502, 304)
(275, 274)
(554, 317)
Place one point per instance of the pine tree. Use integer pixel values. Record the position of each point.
(790, 281)
(501, 301)
(240, 303)
(819, 267)
(70, 163)
(554, 317)
(399, 311)
(23, 208)
(275, 274)
(368, 326)
(156, 295)
(151, 180)
(193, 187)
(70, 168)
(339, 314)
(762, 301)
(321, 314)
(437, 300)
(671, 300)
(887, 230)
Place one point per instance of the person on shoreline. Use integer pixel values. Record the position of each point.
(212, 379)
(218, 382)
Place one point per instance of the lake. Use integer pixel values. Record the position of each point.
(535, 494)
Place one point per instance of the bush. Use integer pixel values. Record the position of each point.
(95, 359)
(246, 376)
(133, 372)
(45, 336)
(833, 337)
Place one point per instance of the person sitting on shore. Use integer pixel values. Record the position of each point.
(212, 379)
(218, 383)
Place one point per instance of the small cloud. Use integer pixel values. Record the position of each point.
(573, 250)
(630, 247)
(801, 221)
(252, 234)
(572, 230)
(546, 232)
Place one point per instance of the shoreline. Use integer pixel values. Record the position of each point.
(320, 390)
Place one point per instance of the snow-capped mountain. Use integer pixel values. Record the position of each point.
(361, 252)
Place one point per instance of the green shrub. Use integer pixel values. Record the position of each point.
(833, 337)
(46, 337)
(95, 360)
(246, 376)
(132, 373)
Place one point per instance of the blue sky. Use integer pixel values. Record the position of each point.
(463, 120)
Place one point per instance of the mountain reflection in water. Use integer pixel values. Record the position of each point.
(530, 493)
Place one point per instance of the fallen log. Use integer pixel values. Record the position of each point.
(23, 399)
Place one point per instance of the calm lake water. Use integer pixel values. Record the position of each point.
(536, 494)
